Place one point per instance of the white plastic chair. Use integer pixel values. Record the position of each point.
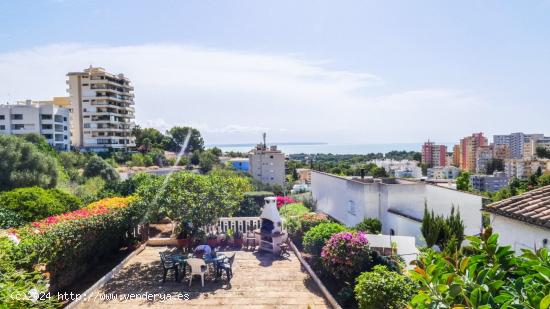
(198, 267)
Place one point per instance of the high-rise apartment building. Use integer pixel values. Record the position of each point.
(484, 154)
(433, 155)
(516, 142)
(102, 110)
(456, 155)
(41, 117)
(267, 165)
(501, 151)
(468, 150)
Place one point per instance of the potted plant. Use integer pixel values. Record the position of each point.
(229, 237)
(238, 239)
(212, 240)
(184, 236)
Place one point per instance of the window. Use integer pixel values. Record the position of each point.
(46, 127)
(2, 117)
(17, 117)
(85, 84)
(2, 127)
(17, 126)
(271, 157)
(46, 117)
(351, 208)
(65, 128)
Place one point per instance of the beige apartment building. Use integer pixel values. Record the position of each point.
(102, 110)
(267, 165)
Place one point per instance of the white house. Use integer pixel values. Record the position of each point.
(523, 221)
(397, 203)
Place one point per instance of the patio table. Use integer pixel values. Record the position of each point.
(214, 261)
(180, 260)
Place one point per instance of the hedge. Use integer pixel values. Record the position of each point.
(36, 203)
(315, 239)
(64, 247)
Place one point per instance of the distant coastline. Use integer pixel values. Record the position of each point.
(326, 148)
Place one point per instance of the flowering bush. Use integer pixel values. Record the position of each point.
(315, 239)
(312, 219)
(346, 254)
(283, 200)
(68, 244)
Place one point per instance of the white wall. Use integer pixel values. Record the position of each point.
(399, 207)
(334, 194)
(518, 234)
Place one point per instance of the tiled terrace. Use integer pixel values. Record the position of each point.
(259, 281)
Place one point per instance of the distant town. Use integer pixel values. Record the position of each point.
(85, 149)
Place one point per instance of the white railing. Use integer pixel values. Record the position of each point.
(240, 224)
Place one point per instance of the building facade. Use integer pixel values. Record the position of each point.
(468, 151)
(484, 155)
(433, 155)
(240, 164)
(102, 110)
(501, 151)
(41, 117)
(456, 155)
(398, 204)
(447, 172)
(267, 165)
(489, 183)
(516, 142)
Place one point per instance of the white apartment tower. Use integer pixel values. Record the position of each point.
(267, 164)
(41, 117)
(102, 110)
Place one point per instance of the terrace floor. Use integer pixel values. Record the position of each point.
(260, 280)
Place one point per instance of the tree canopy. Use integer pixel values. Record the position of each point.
(22, 164)
(177, 138)
(195, 200)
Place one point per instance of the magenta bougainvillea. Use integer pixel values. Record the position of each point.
(346, 254)
(282, 200)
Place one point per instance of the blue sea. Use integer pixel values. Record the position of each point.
(312, 148)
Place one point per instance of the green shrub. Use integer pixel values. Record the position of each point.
(482, 275)
(96, 166)
(71, 202)
(23, 164)
(311, 220)
(315, 239)
(293, 209)
(382, 288)
(17, 279)
(9, 218)
(36, 203)
(370, 226)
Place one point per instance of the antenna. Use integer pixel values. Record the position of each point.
(264, 135)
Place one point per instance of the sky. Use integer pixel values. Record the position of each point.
(349, 72)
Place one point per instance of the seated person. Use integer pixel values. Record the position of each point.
(202, 250)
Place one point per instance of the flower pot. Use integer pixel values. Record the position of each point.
(182, 243)
(212, 243)
(238, 243)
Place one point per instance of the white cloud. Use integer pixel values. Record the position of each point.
(234, 96)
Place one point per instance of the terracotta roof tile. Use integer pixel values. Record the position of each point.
(532, 207)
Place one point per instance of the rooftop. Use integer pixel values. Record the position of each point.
(531, 207)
